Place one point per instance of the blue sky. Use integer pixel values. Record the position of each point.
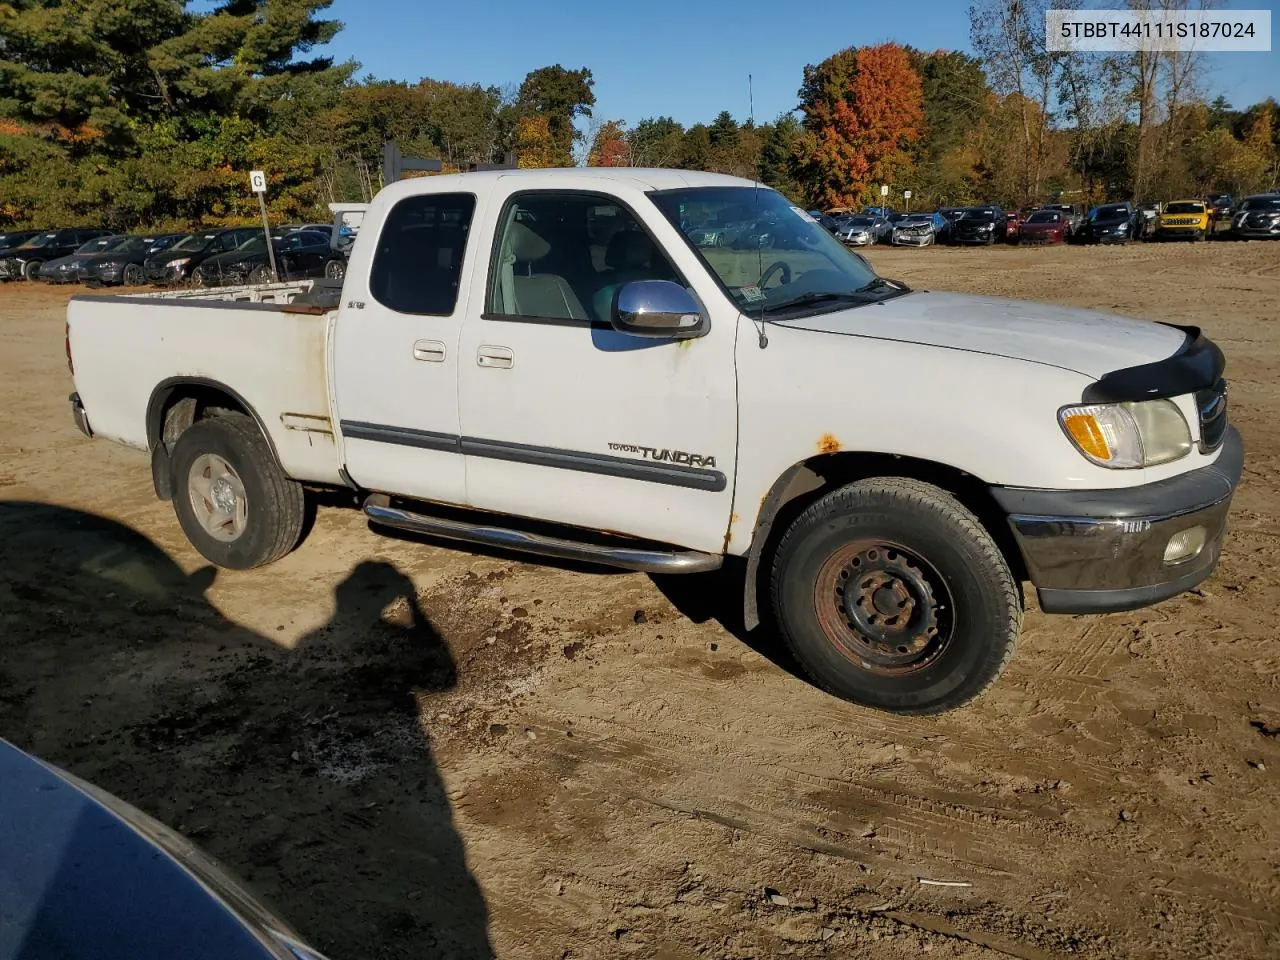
(688, 59)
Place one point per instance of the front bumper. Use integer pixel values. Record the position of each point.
(1038, 237)
(10, 269)
(912, 239)
(986, 237)
(1177, 233)
(1101, 551)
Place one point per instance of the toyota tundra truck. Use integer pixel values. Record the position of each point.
(549, 362)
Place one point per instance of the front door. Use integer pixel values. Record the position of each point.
(565, 418)
(396, 350)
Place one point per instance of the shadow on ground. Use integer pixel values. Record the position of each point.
(308, 771)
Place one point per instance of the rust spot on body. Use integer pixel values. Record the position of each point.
(828, 444)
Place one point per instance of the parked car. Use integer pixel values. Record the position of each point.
(950, 215)
(1072, 213)
(1258, 218)
(478, 321)
(1110, 223)
(859, 230)
(180, 261)
(913, 230)
(15, 238)
(1148, 213)
(1044, 226)
(983, 224)
(24, 262)
(1182, 220)
(86, 876)
(1012, 225)
(67, 269)
(122, 262)
(299, 254)
(1221, 208)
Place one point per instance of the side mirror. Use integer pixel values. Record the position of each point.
(657, 308)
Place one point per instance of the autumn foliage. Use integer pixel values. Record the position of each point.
(863, 108)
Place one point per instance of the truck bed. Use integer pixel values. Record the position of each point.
(266, 344)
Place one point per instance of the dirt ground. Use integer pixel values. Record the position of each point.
(416, 751)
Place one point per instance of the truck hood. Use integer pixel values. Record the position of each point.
(1089, 342)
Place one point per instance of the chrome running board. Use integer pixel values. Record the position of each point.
(379, 510)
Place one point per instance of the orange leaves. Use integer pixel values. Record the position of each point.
(609, 147)
(862, 108)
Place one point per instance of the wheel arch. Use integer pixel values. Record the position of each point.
(177, 403)
(804, 482)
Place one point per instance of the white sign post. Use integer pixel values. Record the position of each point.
(907, 196)
(258, 184)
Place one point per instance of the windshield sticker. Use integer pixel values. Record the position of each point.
(751, 293)
(803, 215)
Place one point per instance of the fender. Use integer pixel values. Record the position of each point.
(161, 475)
(764, 526)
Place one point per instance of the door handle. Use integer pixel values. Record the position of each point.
(499, 357)
(430, 350)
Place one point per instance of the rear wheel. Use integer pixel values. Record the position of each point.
(891, 594)
(233, 501)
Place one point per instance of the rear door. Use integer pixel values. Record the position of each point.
(396, 348)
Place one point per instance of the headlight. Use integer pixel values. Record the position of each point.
(1121, 228)
(987, 226)
(1126, 435)
(179, 264)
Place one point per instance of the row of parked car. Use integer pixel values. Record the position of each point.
(1254, 218)
(206, 258)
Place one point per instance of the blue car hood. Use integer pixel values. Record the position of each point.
(77, 882)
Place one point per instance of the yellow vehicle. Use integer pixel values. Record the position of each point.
(1182, 219)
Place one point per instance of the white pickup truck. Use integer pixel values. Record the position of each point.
(661, 370)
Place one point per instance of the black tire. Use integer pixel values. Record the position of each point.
(1197, 237)
(274, 504)
(260, 274)
(970, 599)
(335, 270)
(132, 276)
(30, 269)
(197, 277)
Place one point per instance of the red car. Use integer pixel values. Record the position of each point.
(1012, 226)
(1044, 226)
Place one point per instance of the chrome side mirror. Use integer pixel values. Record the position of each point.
(657, 308)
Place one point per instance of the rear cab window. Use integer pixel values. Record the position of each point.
(417, 265)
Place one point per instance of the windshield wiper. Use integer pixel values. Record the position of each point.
(805, 299)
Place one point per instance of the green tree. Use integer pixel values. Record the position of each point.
(656, 142)
(559, 96)
(780, 141)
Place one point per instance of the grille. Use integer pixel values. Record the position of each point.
(1180, 221)
(1212, 404)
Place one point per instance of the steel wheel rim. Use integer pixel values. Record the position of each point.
(884, 606)
(217, 498)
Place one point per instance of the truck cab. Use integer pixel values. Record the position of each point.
(557, 362)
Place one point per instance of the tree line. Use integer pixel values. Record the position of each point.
(149, 113)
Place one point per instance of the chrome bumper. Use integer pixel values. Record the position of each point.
(1099, 551)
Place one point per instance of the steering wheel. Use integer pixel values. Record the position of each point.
(777, 265)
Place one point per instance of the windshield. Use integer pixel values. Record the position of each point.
(1184, 208)
(770, 257)
(980, 213)
(1045, 216)
(1110, 213)
(1261, 203)
(130, 245)
(41, 241)
(857, 222)
(99, 244)
(195, 241)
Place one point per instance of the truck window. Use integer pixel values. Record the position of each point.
(564, 256)
(418, 260)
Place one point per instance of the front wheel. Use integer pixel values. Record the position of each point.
(260, 274)
(891, 594)
(335, 270)
(132, 275)
(232, 499)
(31, 269)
